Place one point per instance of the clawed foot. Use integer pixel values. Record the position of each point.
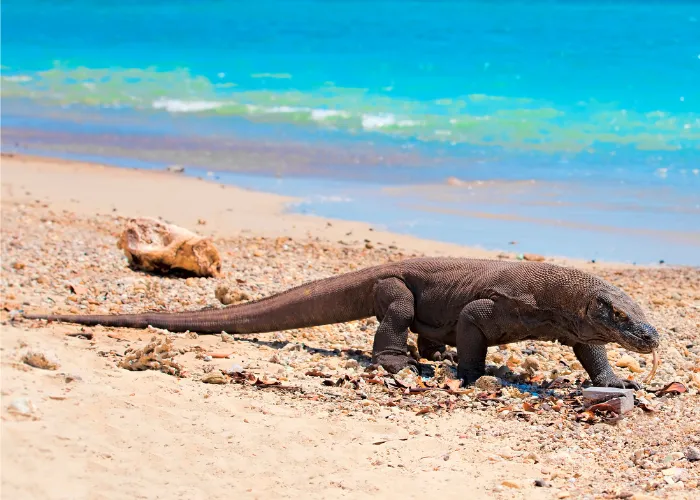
(620, 383)
(394, 363)
(469, 376)
(446, 355)
(435, 351)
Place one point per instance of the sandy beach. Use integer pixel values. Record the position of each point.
(305, 419)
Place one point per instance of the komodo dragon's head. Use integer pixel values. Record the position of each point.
(613, 316)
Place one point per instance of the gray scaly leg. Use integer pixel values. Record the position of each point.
(393, 306)
(474, 328)
(595, 361)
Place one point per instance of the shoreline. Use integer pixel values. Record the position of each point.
(582, 211)
(228, 209)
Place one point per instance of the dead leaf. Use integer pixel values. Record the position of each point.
(316, 373)
(529, 406)
(648, 407)
(587, 415)
(267, 383)
(673, 388)
(424, 410)
(602, 407)
(453, 384)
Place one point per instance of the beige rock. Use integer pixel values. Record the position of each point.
(23, 407)
(215, 378)
(511, 484)
(228, 296)
(43, 360)
(531, 364)
(152, 245)
(407, 378)
(630, 363)
(488, 384)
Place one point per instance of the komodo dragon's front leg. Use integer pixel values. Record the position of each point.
(595, 361)
(393, 306)
(477, 328)
(474, 329)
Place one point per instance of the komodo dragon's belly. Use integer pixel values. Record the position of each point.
(508, 325)
(442, 333)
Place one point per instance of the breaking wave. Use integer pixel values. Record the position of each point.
(514, 123)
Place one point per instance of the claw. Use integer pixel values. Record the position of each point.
(468, 377)
(619, 383)
(394, 363)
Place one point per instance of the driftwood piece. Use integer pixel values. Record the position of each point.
(155, 246)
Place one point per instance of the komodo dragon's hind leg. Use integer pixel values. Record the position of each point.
(393, 306)
(474, 327)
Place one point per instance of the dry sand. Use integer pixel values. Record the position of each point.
(328, 428)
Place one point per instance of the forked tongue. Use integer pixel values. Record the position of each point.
(654, 366)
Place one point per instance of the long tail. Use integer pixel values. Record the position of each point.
(331, 300)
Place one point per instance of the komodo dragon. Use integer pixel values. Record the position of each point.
(468, 303)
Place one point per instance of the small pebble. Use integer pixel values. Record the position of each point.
(43, 360)
(24, 407)
(235, 368)
(215, 377)
(511, 484)
(692, 454)
(488, 384)
(352, 363)
(630, 363)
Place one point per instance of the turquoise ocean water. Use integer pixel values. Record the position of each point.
(598, 102)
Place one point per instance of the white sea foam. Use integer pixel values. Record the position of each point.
(323, 114)
(285, 109)
(180, 106)
(370, 122)
(408, 123)
(17, 78)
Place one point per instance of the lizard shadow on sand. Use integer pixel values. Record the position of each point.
(356, 354)
(426, 370)
(365, 360)
(169, 274)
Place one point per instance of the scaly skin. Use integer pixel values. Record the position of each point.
(468, 303)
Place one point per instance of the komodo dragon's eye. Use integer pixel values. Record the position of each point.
(619, 315)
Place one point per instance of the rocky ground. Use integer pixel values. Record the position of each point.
(531, 421)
